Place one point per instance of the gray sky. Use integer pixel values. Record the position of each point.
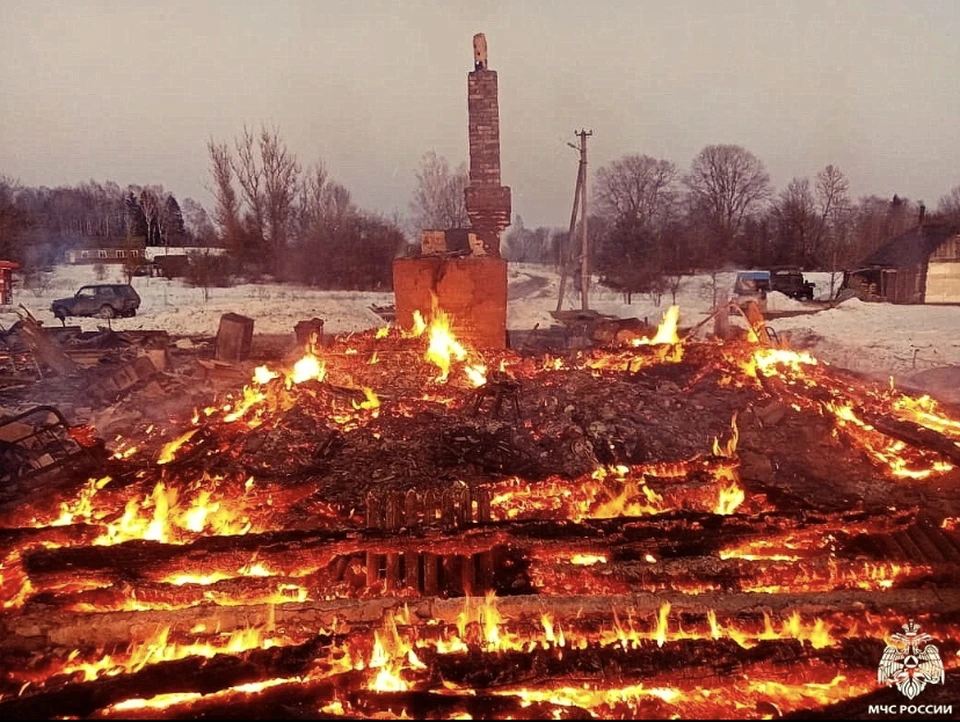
(130, 91)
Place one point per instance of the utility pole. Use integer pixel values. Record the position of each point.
(579, 199)
(566, 255)
(585, 246)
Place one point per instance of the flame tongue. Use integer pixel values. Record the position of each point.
(666, 331)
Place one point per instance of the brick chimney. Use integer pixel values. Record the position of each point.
(488, 202)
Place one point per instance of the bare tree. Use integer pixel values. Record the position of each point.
(637, 188)
(637, 197)
(281, 180)
(949, 206)
(797, 221)
(249, 173)
(438, 200)
(226, 213)
(835, 214)
(312, 191)
(150, 203)
(725, 182)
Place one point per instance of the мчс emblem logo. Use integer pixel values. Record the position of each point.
(909, 662)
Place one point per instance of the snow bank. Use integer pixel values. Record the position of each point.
(777, 301)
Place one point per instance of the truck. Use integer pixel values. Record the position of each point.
(788, 281)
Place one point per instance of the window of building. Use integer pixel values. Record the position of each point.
(134, 253)
(84, 254)
(121, 254)
(101, 253)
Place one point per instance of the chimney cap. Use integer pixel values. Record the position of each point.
(480, 51)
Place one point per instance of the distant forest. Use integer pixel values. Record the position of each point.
(649, 221)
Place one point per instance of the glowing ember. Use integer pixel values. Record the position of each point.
(370, 403)
(588, 560)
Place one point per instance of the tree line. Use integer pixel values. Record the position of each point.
(650, 220)
(38, 224)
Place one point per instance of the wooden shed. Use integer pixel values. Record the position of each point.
(921, 265)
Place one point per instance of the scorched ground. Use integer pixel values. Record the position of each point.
(400, 526)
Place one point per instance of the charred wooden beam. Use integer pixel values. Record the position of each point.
(44, 628)
(916, 435)
(667, 535)
(684, 663)
(193, 674)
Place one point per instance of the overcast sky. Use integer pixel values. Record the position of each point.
(130, 91)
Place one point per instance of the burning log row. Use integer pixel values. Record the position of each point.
(584, 633)
(685, 664)
(24, 538)
(139, 573)
(594, 574)
(50, 629)
(499, 569)
(193, 674)
(327, 555)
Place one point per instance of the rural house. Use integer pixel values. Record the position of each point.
(922, 265)
(107, 250)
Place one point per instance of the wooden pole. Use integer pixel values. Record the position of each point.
(585, 249)
(567, 254)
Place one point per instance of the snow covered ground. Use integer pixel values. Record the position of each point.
(179, 309)
(868, 337)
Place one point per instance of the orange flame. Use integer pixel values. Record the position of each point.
(443, 346)
(169, 451)
(666, 331)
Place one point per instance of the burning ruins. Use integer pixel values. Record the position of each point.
(418, 522)
(400, 525)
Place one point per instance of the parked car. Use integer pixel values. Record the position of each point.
(757, 284)
(109, 300)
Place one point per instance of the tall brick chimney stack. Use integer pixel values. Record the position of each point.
(488, 202)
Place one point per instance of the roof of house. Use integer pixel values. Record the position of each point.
(912, 247)
(87, 243)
